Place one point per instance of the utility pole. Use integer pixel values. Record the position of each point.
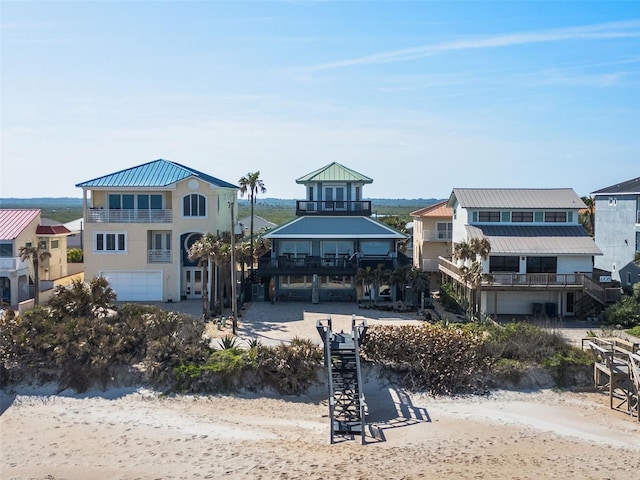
(234, 300)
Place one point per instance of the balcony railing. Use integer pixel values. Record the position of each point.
(518, 279)
(159, 256)
(437, 235)
(333, 207)
(322, 265)
(13, 263)
(99, 215)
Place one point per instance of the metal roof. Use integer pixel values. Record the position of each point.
(536, 240)
(334, 227)
(439, 209)
(14, 221)
(52, 230)
(516, 198)
(158, 173)
(630, 186)
(334, 172)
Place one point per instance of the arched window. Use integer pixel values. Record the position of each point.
(194, 205)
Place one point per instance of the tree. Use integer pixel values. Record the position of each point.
(79, 299)
(203, 250)
(476, 250)
(588, 219)
(374, 278)
(35, 255)
(395, 222)
(409, 278)
(251, 184)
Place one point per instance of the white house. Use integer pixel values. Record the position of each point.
(541, 258)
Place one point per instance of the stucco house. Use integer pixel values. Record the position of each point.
(541, 258)
(25, 228)
(432, 233)
(617, 230)
(315, 257)
(139, 224)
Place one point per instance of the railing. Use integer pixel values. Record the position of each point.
(521, 279)
(13, 263)
(437, 235)
(333, 207)
(307, 263)
(99, 215)
(159, 256)
(429, 265)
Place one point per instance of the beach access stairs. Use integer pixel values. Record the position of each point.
(347, 407)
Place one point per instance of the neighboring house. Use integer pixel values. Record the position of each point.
(24, 228)
(541, 258)
(315, 257)
(259, 225)
(139, 224)
(617, 230)
(74, 240)
(432, 230)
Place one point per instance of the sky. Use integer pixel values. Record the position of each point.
(421, 96)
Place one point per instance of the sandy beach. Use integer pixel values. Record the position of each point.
(139, 434)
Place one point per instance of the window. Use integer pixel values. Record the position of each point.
(542, 264)
(505, 217)
(539, 217)
(336, 281)
(337, 249)
(110, 242)
(295, 281)
(551, 217)
(504, 264)
(374, 248)
(42, 244)
(628, 278)
(119, 201)
(310, 194)
(613, 201)
(194, 205)
(6, 250)
(149, 202)
(489, 216)
(444, 230)
(295, 249)
(55, 244)
(522, 217)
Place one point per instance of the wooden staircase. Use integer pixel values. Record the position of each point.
(347, 408)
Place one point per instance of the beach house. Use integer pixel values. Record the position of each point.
(139, 224)
(316, 256)
(617, 230)
(541, 257)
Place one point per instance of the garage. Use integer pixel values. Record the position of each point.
(136, 286)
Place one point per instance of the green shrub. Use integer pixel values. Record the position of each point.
(75, 255)
(522, 341)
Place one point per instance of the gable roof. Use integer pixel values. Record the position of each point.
(334, 227)
(334, 172)
(439, 209)
(52, 230)
(14, 221)
(536, 240)
(158, 173)
(630, 186)
(515, 198)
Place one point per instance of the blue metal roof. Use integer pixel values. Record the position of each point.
(158, 173)
(334, 227)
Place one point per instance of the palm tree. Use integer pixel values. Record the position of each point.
(251, 184)
(367, 277)
(35, 254)
(588, 219)
(475, 250)
(409, 277)
(203, 250)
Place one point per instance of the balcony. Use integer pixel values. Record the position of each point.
(335, 207)
(502, 281)
(100, 215)
(159, 256)
(307, 265)
(437, 235)
(13, 263)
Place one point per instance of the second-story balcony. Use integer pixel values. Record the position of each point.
(437, 235)
(333, 207)
(159, 256)
(101, 215)
(13, 263)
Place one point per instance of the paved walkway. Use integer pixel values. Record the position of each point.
(280, 322)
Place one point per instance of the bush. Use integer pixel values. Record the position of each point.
(434, 358)
(75, 255)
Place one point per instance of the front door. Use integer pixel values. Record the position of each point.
(334, 198)
(193, 282)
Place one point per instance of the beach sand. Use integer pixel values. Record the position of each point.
(125, 434)
(138, 434)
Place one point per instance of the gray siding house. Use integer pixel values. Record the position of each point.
(617, 230)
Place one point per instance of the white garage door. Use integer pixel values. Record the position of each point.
(136, 286)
